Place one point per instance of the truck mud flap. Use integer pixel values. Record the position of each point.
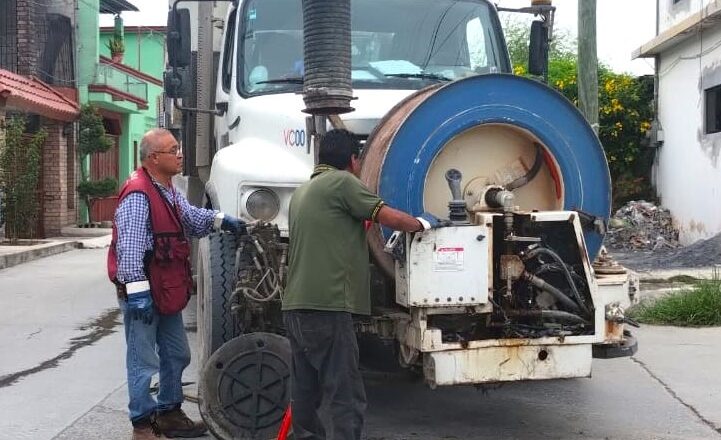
(627, 347)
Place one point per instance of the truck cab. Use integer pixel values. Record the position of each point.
(398, 46)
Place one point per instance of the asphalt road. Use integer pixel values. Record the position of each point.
(62, 377)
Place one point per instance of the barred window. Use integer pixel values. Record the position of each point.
(8, 35)
(56, 41)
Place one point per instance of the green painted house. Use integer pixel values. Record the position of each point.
(128, 91)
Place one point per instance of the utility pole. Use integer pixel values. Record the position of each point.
(588, 62)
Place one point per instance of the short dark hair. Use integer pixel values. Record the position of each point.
(337, 147)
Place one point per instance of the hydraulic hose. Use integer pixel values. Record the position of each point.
(542, 250)
(538, 161)
(560, 296)
(555, 267)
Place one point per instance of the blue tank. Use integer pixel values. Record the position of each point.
(444, 113)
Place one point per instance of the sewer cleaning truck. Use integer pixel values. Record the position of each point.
(511, 290)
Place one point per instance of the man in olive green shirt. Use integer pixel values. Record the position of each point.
(328, 281)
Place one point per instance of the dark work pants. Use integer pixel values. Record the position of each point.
(324, 370)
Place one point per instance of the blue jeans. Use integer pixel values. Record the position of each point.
(160, 347)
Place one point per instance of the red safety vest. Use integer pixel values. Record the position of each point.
(167, 265)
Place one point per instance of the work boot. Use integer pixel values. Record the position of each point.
(143, 430)
(175, 423)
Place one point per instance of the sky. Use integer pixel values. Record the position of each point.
(622, 26)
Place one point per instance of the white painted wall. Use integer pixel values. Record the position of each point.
(673, 13)
(688, 173)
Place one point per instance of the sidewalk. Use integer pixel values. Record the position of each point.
(72, 238)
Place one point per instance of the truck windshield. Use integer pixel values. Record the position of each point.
(395, 44)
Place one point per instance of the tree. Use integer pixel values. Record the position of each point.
(92, 140)
(625, 111)
(19, 177)
(518, 34)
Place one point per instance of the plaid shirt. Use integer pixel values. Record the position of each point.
(135, 235)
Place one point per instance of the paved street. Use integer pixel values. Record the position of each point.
(62, 377)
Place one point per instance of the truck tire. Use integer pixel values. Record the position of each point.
(217, 323)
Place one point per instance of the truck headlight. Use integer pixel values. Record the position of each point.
(262, 204)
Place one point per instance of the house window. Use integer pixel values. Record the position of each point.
(677, 1)
(713, 110)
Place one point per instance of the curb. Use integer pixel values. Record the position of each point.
(655, 274)
(45, 250)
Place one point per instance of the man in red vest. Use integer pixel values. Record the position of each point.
(148, 262)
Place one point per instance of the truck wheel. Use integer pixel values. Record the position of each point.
(244, 387)
(217, 323)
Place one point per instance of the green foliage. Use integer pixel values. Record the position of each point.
(92, 133)
(92, 140)
(518, 35)
(19, 178)
(97, 188)
(698, 306)
(625, 110)
(115, 45)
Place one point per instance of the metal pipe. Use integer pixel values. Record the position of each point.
(547, 314)
(497, 197)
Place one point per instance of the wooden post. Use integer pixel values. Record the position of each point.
(587, 62)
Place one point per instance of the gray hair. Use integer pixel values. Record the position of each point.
(148, 141)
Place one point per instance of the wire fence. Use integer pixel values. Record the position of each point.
(8, 36)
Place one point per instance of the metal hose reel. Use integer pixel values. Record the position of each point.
(492, 128)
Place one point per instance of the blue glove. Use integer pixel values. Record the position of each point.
(430, 221)
(234, 225)
(140, 306)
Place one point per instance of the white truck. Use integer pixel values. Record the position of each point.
(507, 293)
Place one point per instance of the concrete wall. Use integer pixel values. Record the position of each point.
(672, 12)
(688, 170)
(87, 45)
(144, 51)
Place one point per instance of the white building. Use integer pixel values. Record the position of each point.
(687, 172)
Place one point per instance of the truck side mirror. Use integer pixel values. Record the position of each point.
(176, 82)
(178, 38)
(538, 49)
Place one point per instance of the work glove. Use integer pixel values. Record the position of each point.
(233, 225)
(140, 306)
(430, 221)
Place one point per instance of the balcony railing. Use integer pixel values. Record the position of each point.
(110, 76)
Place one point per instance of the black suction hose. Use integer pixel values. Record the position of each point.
(327, 87)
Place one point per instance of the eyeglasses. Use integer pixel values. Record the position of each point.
(174, 151)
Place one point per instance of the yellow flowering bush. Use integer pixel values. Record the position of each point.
(624, 104)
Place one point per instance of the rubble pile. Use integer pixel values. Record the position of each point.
(642, 226)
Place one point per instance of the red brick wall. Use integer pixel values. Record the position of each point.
(28, 50)
(58, 193)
